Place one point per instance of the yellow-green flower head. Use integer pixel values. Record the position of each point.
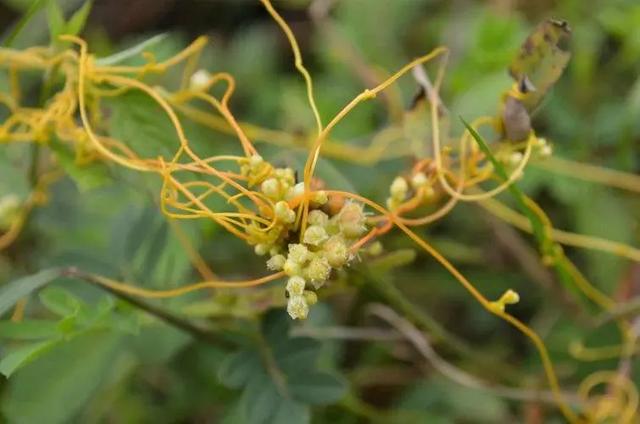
(271, 188)
(295, 286)
(286, 175)
(255, 161)
(319, 197)
(261, 249)
(319, 218)
(419, 180)
(298, 253)
(315, 235)
(295, 191)
(284, 213)
(336, 251)
(276, 263)
(297, 307)
(351, 220)
(292, 268)
(310, 297)
(399, 189)
(199, 79)
(318, 270)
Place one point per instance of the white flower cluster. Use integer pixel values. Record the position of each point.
(324, 247)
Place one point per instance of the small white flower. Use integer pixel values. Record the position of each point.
(297, 307)
(276, 262)
(199, 79)
(315, 235)
(295, 286)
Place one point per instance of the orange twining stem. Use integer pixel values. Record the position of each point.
(158, 294)
(523, 328)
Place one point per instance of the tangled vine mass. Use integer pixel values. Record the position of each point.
(304, 229)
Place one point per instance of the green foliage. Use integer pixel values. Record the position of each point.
(81, 355)
(280, 377)
(59, 26)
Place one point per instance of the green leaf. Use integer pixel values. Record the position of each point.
(28, 329)
(131, 52)
(55, 19)
(542, 59)
(86, 177)
(264, 404)
(236, 370)
(24, 355)
(60, 301)
(10, 293)
(56, 386)
(143, 125)
(79, 18)
(303, 382)
(317, 388)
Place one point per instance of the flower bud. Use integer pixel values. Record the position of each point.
(298, 253)
(336, 252)
(310, 297)
(399, 188)
(419, 180)
(318, 270)
(295, 191)
(255, 161)
(295, 286)
(297, 307)
(315, 235)
(351, 220)
(291, 268)
(271, 188)
(286, 175)
(284, 213)
(276, 262)
(261, 249)
(199, 79)
(317, 217)
(515, 158)
(319, 197)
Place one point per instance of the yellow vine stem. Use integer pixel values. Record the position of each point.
(195, 258)
(620, 402)
(486, 304)
(581, 282)
(517, 173)
(579, 351)
(193, 49)
(179, 291)
(297, 59)
(567, 238)
(367, 94)
(591, 173)
(368, 155)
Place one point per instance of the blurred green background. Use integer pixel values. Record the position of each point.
(102, 360)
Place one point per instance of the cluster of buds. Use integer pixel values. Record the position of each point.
(401, 188)
(542, 148)
(324, 247)
(278, 185)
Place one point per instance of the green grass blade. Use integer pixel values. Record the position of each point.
(17, 29)
(548, 247)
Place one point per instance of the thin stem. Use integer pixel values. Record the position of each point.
(188, 327)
